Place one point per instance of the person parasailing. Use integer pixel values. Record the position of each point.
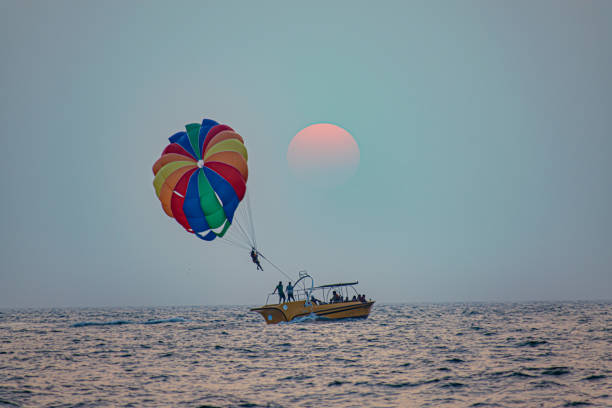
(255, 259)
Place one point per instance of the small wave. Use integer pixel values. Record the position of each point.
(245, 350)
(348, 360)
(555, 371)
(531, 343)
(400, 384)
(546, 384)
(520, 374)
(455, 360)
(172, 320)
(9, 403)
(577, 404)
(300, 377)
(122, 322)
(453, 385)
(594, 377)
(413, 384)
(111, 323)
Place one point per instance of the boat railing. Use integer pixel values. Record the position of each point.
(304, 291)
(299, 294)
(302, 294)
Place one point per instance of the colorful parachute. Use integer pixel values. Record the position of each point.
(201, 178)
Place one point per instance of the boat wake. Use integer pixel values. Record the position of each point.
(313, 318)
(302, 319)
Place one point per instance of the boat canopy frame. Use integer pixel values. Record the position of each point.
(334, 285)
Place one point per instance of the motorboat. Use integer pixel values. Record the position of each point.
(317, 302)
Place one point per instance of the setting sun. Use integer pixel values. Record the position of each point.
(323, 154)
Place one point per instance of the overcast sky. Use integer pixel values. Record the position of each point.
(485, 132)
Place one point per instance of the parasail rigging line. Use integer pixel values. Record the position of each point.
(250, 218)
(244, 233)
(270, 262)
(234, 243)
(234, 235)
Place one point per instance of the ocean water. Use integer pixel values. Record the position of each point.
(404, 355)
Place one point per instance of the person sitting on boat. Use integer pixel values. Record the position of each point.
(290, 292)
(281, 294)
(255, 258)
(354, 298)
(314, 300)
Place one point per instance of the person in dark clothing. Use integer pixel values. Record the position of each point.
(290, 292)
(281, 293)
(255, 258)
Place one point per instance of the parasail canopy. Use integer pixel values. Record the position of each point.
(200, 180)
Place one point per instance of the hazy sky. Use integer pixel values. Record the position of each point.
(485, 131)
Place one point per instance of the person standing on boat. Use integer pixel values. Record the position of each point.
(281, 293)
(290, 292)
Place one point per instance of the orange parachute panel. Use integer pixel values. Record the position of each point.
(167, 158)
(167, 189)
(234, 159)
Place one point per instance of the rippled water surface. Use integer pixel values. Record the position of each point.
(480, 355)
